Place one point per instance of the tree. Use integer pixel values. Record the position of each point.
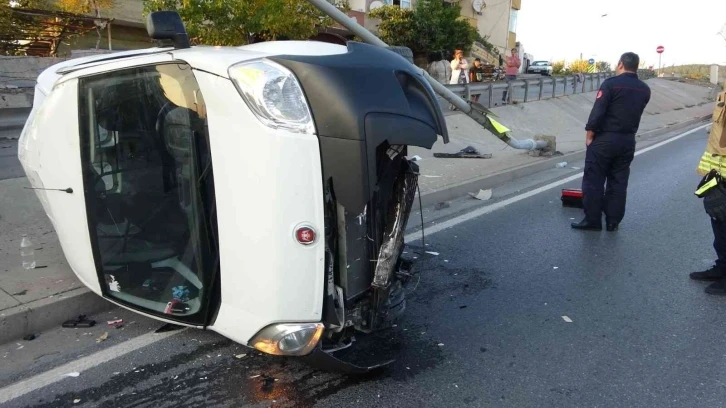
(431, 26)
(578, 66)
(237, 22)
(37, 27)
(558, 67)
(87, 7)
(603, 66)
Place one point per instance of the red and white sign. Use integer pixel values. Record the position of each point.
(660, 49)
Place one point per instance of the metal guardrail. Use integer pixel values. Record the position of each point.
(547, 87)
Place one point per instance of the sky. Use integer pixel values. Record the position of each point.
(688, 30)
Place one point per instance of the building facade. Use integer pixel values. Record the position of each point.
(496, 20)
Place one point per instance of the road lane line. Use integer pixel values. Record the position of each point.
(433, 229)
(59, 373)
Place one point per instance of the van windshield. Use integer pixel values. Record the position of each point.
(149, 187)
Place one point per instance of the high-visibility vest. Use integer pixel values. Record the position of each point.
(712, 161)
(715, 156)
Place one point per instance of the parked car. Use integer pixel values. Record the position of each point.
(540, 67)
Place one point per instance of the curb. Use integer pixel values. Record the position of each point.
(459, 190)
(48, 313)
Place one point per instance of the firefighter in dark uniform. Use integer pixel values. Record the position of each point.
(611, 130)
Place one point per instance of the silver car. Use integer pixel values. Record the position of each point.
(540, 67)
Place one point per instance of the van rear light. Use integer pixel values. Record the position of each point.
(305, 235)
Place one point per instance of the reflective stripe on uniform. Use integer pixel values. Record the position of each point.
(710, 162)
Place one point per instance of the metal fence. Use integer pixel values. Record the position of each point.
(531, 89)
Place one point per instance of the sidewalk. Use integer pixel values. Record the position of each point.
(38, 299)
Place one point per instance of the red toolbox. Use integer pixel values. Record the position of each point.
(571, 197)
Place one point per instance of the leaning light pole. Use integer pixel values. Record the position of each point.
(474, 110)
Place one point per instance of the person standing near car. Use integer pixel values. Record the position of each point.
(459, 71)
(476, 74)
(610, 141)
(438, 68)
(513, 63)
(714, 160)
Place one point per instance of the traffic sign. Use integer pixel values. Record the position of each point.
(591, 61)
(660, 49)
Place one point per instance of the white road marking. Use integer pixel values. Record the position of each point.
(60, 373)
(415, 236)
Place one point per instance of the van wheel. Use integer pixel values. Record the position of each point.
(405, 52)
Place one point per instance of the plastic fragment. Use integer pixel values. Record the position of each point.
(561, 165)
(567, 319)
(73, 374)
(76, 401)
(103, 337)
(482, 195)
(240, 356)
(432, 253)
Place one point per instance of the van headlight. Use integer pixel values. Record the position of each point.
(288, 339)
(273, 94)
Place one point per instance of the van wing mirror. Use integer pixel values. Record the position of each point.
(167, 25)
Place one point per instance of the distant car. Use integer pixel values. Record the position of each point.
(540, 67)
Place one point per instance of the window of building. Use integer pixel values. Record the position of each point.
(513, 20)
(404, 4)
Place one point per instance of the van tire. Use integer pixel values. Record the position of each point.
(405, 52)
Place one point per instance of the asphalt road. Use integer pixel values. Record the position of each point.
(9, 163)
(485, 325)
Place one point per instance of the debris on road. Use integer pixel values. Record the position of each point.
(240, 356)
(561, 165)
(441, 344)
(416, 158)
(117, 324)
(73, 374)
(76, 401)
(567, 319)
(442, 205)
(432, 253)
(20, 346)
(468, 152)
(255, 376)
(482, 195)
(555, 267)
(103, 337)
(29, 337)
(78, 322)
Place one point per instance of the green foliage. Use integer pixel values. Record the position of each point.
(236, 22)
(431, 26)
(558, 67)
(693, 71)
(603, 66)
(578, 66)
(19, 31)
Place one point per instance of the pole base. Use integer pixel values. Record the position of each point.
(548, 150)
